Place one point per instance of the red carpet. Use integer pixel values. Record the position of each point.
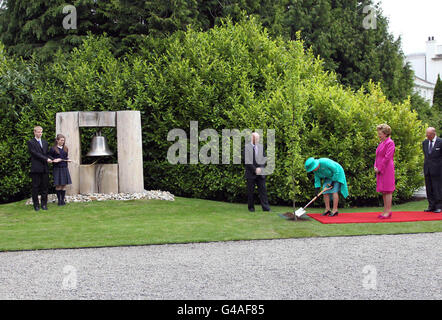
(372, 217)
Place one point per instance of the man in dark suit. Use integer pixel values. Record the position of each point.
(254, 157)
(433, 170)
(38, 148)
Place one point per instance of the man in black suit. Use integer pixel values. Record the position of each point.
(433, 170)
(254, 157)
(38, 148)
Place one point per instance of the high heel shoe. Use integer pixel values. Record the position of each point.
(388, 216)
(326, 213)
(333, 214)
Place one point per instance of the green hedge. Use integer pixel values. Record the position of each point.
(17, 81)
(231, 77)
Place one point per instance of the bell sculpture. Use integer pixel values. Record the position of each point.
(99, 146)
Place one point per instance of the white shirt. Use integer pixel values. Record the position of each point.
(255, 148)
(432, 143)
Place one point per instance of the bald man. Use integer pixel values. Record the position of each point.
(254, 157)
(433, 170)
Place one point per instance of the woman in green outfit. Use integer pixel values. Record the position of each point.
(332, 174)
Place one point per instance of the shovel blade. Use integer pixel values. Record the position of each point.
(300, 212)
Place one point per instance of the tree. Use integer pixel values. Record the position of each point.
(437, 96)
(436, 118)
(334, 29)
(357, 52)
(39, 27)
(28, 27)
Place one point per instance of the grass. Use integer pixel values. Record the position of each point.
(140, 222)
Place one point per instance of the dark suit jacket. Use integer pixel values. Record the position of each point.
(39, 156)
(252, 162)
(433, 161)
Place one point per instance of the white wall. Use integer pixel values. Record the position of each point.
(434, 67)
(417, 63)
(424, 89)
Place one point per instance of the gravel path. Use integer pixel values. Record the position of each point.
(362, 267)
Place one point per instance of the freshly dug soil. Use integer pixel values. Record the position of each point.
(291, 216)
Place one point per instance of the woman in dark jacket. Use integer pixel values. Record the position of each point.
(60, 171)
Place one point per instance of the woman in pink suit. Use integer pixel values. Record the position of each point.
(384, 168)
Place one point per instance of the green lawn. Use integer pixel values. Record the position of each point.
(117, 223)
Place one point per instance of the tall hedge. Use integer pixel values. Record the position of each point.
(234, 76)
(17, 82)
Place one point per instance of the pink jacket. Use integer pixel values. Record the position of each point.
(385, 181)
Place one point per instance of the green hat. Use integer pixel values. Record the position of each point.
(311, 164)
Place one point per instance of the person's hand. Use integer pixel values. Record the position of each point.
(56, 160)
(49, 160)
(376, 170)
(258, 170)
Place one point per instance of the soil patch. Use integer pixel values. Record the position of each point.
(291, 216)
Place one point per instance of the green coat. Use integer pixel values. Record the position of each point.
(332, 170)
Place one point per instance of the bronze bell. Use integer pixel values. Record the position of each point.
(99, 146)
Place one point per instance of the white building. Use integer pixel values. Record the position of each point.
(426, 67)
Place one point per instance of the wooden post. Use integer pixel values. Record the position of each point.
(99, 178)
(67, 125)
(130, 152)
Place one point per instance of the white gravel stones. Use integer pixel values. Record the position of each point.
(149, 195)
(375, 267)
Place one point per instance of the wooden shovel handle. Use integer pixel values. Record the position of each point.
(325, 189)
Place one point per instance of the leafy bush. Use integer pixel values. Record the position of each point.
(236, 77)
(429, 114)
(17, 80)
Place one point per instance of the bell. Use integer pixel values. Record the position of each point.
(99, 146)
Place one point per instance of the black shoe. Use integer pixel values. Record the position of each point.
(437, 211)
(37, 207)
(267, 209)
(333, 214)
(252, 210)
(326, 213)
(429, 210)
(59, 197)
(44, 207)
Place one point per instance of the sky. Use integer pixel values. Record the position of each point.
(414, 21)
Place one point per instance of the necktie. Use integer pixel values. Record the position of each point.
(41, 145)
(430, 149)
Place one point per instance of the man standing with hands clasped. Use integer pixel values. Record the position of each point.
(38, 148)
(254, 157)
(433, 170)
